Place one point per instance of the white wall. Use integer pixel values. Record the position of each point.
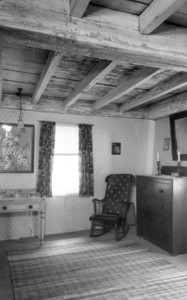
(71, 213)
(162, 130)
(147, 146)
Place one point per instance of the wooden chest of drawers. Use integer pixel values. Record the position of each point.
(162, 211)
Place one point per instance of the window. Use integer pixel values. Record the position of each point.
(65, 176)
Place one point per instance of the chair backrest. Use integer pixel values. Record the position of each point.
(118, 191)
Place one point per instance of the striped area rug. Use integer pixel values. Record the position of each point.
(94, 269)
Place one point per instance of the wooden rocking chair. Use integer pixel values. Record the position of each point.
(112, 211)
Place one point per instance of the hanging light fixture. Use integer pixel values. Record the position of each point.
(20, 124)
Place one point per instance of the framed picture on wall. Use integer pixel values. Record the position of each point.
(16, 148)
(116, 148)
(166, 144)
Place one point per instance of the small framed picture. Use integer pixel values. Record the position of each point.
(116, 148)
(166, 144)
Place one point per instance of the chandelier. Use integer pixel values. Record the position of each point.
(20, 125)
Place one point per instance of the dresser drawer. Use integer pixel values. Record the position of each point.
(161, 222)
(157, 195)
(157, 236)
(159, 205)
(161, 208)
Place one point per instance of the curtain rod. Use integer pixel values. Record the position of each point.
(66, 123)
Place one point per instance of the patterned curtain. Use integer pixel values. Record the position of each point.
(46, 151)
(86, 188)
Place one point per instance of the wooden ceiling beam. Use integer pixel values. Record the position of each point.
(52, 62)
(69, 47)
(106, 33)
(156, 13)
(163, 89)
(78, 7)
(165, 108)
(56, 106)
(96, 74)
(127, 85)
(1, 78)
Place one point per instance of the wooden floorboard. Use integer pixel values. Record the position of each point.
(6, 292)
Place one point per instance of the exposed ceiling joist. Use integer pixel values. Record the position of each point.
(56, 106)
(156, 13)
(78, 7)
(100, 71)
(52, 62)
(127, 85)
(167, 107)
(43, 41)
(116, 39)
(92, 46)
(1, 80)
(157, 92)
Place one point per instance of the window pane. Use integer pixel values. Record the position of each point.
(66, 139)
(65, 177)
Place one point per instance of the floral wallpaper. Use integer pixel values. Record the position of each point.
(71, 213)
(16, 148)
(45, 164)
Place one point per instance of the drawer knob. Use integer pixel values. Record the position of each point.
(161, 191)
(30, 206)
(160, 206)
(4, 207)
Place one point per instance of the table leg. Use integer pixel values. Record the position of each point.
(42, 226)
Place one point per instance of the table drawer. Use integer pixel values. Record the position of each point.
(19, 207)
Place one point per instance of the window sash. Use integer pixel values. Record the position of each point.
(65, 176)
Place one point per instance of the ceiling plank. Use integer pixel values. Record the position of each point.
(127, 85)
(156, 13)
(56, 106)
(157, 92)
(97, 73)
(52, 62)
(1, 78)
(129, 6)
(108, 34)
(163, 109)
(78, 7)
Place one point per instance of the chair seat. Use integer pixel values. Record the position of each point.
(105, 218)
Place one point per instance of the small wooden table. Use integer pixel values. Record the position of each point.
(17, 205)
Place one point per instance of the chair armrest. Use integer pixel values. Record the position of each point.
(97, 206)
(97, 200)
(124, 209)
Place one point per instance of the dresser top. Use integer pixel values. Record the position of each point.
(163, 177)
